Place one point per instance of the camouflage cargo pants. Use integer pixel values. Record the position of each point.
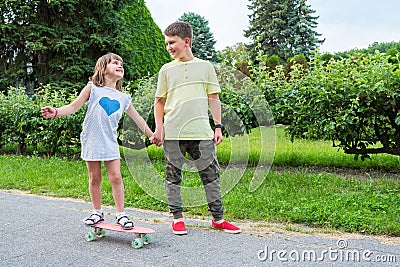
(202, 155)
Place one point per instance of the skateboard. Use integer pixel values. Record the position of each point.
(142, 235)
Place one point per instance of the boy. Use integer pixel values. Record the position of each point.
(186, 88)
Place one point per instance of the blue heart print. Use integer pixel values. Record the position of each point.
(109, 105)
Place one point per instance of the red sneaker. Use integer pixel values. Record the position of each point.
(179, 228)
(227, 227)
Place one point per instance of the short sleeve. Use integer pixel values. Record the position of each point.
(162, 87)
(213, 84)
(128, 101)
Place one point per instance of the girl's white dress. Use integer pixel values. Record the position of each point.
(99, 130)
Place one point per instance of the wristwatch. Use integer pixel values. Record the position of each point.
(219, 125)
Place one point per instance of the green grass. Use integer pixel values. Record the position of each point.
(310, 183)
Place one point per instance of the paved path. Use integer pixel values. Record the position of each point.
(38, 231)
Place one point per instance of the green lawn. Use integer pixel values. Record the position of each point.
(310, 183)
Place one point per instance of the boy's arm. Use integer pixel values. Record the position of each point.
(140, 122)
(215, 108)
(159, 105)
(52, 112)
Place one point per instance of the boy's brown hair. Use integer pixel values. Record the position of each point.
(181, 29)
(100, 68)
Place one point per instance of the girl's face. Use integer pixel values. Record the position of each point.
(176, 46)
(114, 70)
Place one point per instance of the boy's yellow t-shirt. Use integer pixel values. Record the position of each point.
(186, 86)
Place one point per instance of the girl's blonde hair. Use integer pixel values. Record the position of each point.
(100, 68)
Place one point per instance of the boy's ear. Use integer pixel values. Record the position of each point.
(187, 41)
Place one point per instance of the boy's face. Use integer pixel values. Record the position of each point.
(176, 46)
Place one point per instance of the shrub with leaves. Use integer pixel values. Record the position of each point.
(24, 127)
(353, 101)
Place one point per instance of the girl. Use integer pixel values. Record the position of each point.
(106, 103)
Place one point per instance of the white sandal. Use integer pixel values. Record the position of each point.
(125, 222)
(94, 218)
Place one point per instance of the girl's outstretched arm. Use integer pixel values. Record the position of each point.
(140, 122)
(52, 112)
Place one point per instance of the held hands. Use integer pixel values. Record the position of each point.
(49, 112)
(158, 137)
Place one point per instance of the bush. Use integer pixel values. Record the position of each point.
(354, 102)
(24, 127)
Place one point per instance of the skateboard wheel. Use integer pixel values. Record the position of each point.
(90, 236)
(102, 233)
(137, 243)
(147, 239)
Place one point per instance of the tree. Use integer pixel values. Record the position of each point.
(203, 40)
(56, 40)
(144, 41)
(59, 41)
(284, 28)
